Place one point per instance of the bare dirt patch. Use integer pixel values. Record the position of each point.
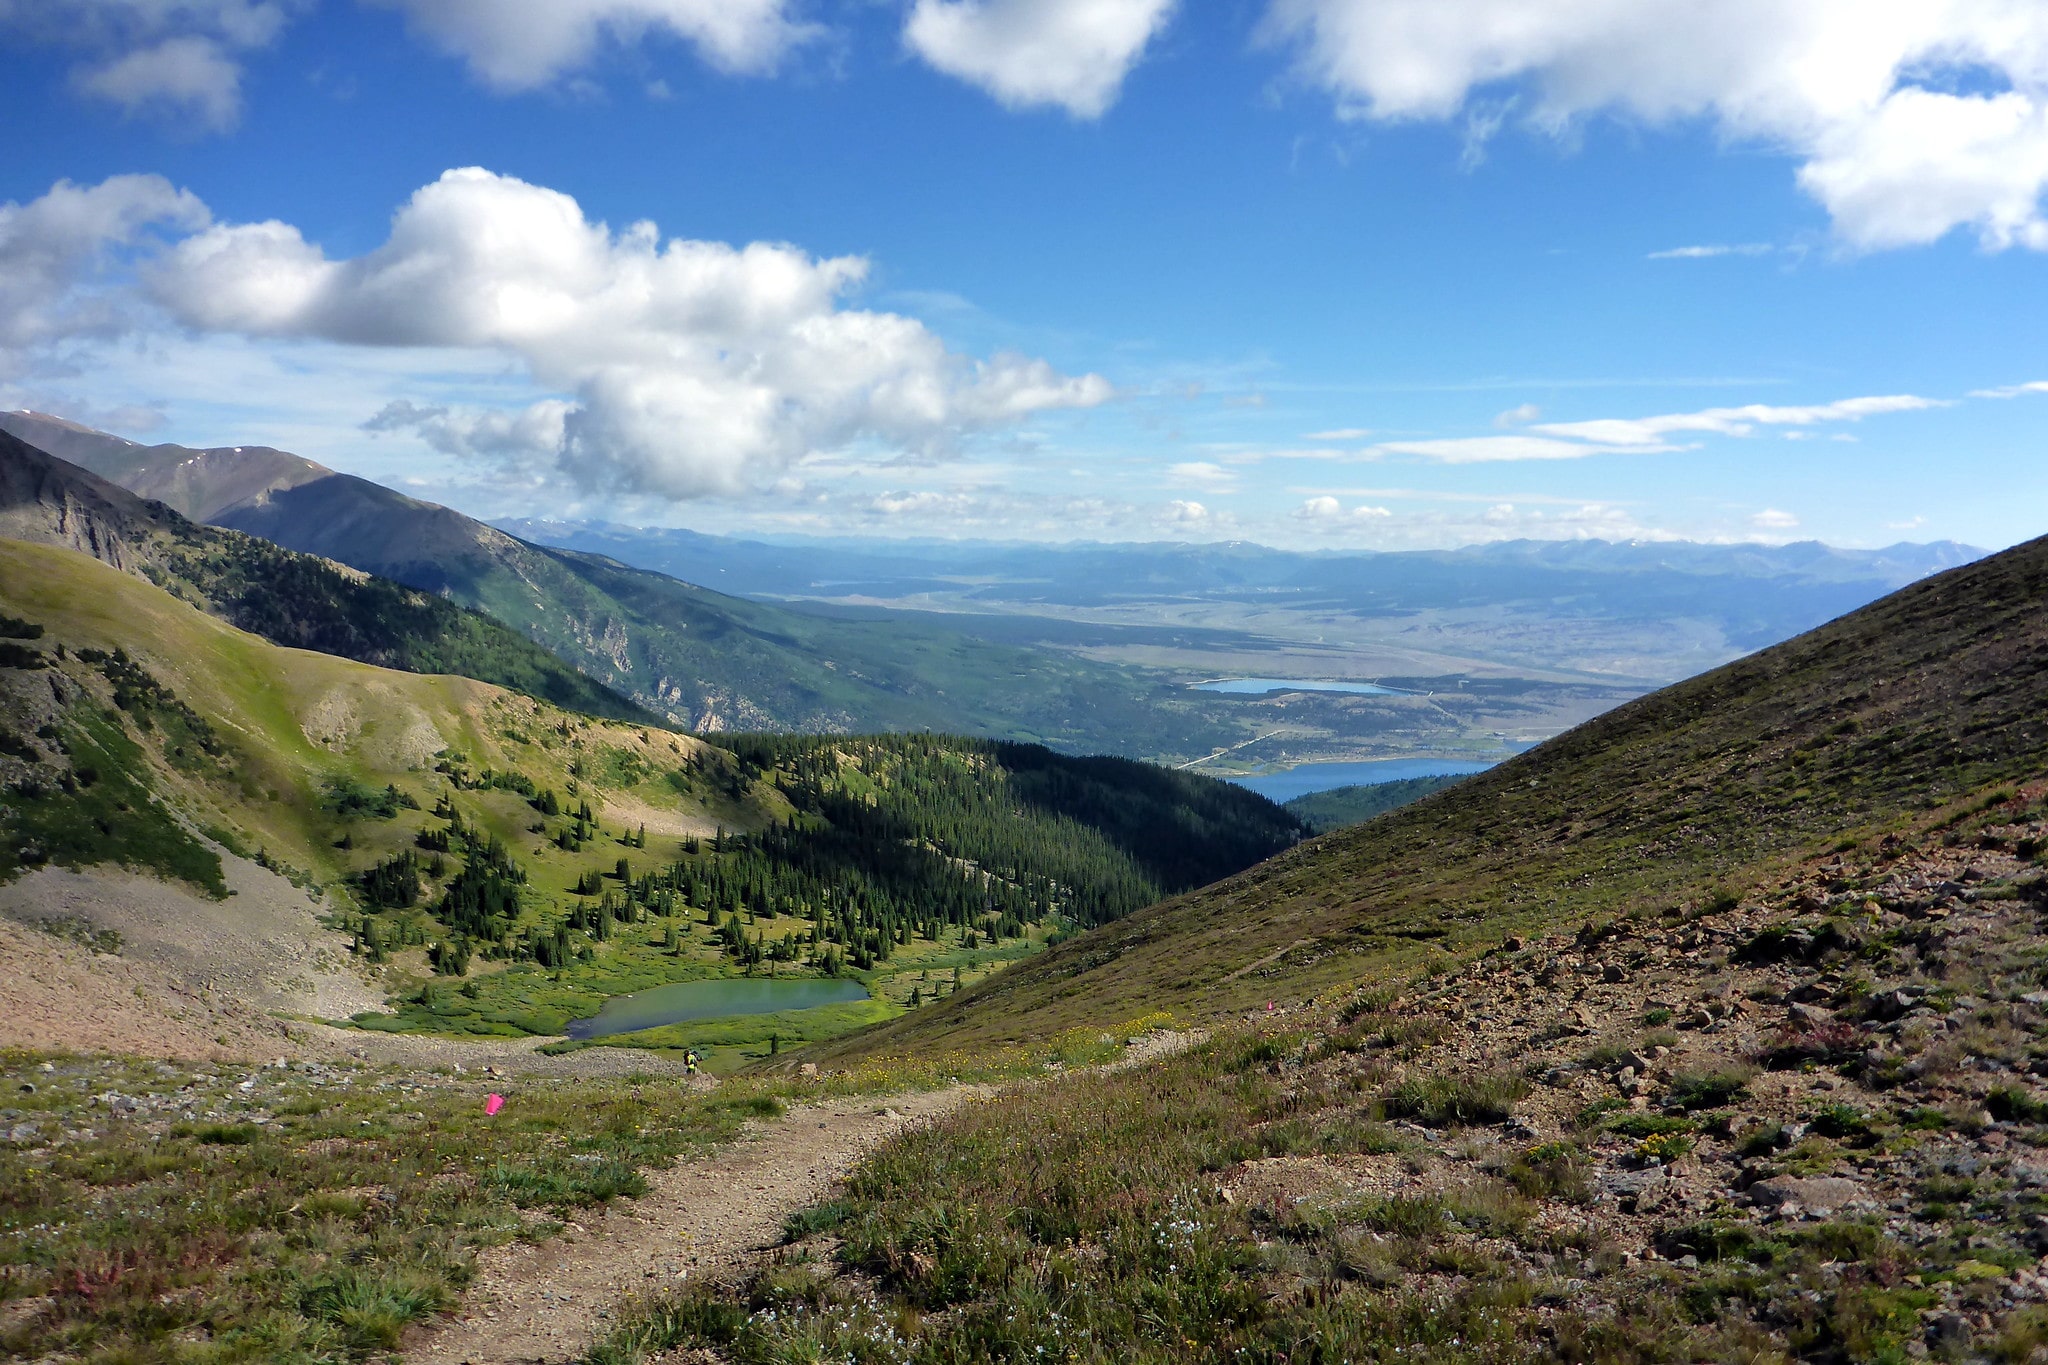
(508, 1056)
(60, 996)
(192, 977)
(264, 946)
(627, 811)
(240, 978)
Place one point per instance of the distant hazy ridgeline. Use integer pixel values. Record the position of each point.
(1659, 610)
(1342, 807)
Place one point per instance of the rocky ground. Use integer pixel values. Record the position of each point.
(1860, 1046)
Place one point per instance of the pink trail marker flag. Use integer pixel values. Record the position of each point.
(493, 1103)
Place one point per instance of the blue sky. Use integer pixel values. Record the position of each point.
(1343, 273)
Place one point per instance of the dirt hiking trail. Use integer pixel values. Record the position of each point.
(546, 1304)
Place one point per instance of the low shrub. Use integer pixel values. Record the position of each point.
(1845, 1122)
(558, 1183)
(815, 1219)
(1649, 1125)
(372, 1307)
(1827, 1043)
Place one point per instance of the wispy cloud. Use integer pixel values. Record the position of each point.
(1485, 449)
(1203, 474)
(1339, 434)
(2012, 390)
(1649, 435)
(1705, 253)
(1650, 431)
(1440, 495)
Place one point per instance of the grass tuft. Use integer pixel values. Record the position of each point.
(1456, 1101)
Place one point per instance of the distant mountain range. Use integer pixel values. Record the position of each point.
(700, 659)
(1752, 595)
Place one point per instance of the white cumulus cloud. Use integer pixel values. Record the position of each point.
(193, 74)
(1910, 118)
(50, 248)
(694, 367)
(1325, 508)
(532, 435)
(1071, 54)
(181, 59)
(1771, 519)
(525, 44)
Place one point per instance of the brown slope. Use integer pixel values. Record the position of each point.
(1698, 789)
(200, 484)
(48, 502)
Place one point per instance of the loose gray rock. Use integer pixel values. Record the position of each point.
(1822, 1194)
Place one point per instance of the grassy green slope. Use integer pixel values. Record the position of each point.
(137, 724)
(288, 722)
(1703, 787)
(286, 597)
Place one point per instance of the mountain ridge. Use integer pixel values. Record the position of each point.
(288, 597)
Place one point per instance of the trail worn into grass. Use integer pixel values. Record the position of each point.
(547, 1302)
